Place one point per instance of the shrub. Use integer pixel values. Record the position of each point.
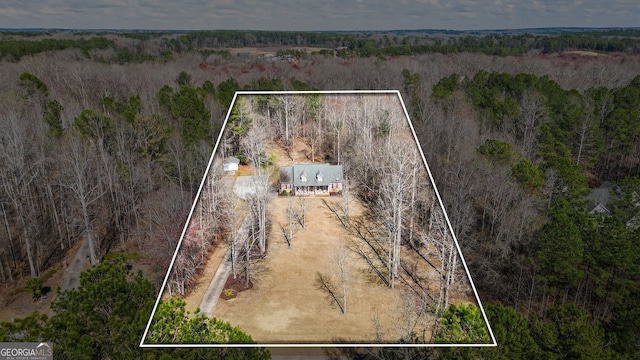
(34, 287)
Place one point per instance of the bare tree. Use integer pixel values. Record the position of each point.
(301, 215)
(531, 114)
(341, 258)
(400, 163)
(20, 170)
(345, 201)
(187, 263)
(253, 144)
(235, 217)
(336, 117)
(289, 231)
(249, 238)
(336, 294)
(412, 317)
(164, 218)
(289, 112)
(7, 228)
(258, 204)
(439, 242)
(82, 180)
(215, 206)
(326, 284)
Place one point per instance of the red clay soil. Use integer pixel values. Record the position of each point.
(237, 284)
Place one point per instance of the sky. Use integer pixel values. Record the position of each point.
(304, 15)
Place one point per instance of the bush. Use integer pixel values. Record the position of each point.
(242, 157)
(286, 192)
(34, 287)
(462, 324)
(228, 294)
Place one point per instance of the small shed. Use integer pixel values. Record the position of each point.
(231, 165)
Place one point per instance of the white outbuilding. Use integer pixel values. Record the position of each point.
(231, 165)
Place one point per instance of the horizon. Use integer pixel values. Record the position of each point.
(306, 15)
(557, 28)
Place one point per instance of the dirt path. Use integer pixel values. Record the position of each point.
(71, 276)
(18, 304)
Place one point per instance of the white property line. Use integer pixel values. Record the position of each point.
(328, 92)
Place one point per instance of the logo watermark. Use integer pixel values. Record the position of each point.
(26, 351)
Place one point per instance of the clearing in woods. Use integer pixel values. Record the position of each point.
(286, 306)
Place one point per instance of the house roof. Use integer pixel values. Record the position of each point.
(328, 174)
(601, 194)
(232, 160)
(600, 209)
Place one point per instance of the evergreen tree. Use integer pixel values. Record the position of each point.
(560, 250)
(104, 317)
(462, 324)
(567, 332)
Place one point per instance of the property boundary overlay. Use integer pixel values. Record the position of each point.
(306, 345)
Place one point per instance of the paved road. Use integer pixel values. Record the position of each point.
(71, 276)
(210, 299)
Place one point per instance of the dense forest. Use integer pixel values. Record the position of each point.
(534, 145)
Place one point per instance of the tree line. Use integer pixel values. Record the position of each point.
(159, 46)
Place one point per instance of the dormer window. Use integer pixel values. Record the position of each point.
(319, 177)
(303, 177)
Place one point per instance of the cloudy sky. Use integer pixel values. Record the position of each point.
(317, 14)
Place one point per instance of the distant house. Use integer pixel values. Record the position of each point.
(600, 209)
(230, 165)
(311, 179)
(599, 199)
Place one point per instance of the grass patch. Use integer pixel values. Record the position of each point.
(127, 256)
(16, 291)
(43, 277)
(50, 273)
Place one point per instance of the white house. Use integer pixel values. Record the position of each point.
(231, 165)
